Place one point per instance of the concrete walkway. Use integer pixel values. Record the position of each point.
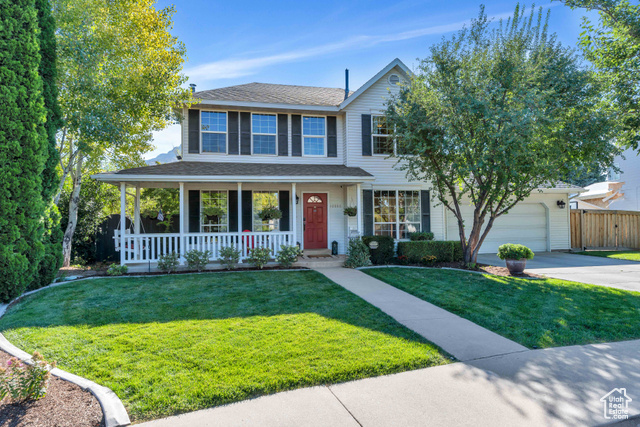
(552, 387)
(614, 273)
(457, 336)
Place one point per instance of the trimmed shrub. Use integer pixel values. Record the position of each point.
(383, 254)
(425, 235)
(514, 251)
(117, 270)
(357, 254)
(444, 251)
(259, 257)
(287, 255)
(197, 260)
(168, 262)
(229, 257)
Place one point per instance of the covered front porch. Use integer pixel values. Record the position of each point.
(309, 196)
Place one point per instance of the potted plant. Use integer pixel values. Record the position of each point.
(269, 213)
(515, 256)
(351, 211)
(212, 213)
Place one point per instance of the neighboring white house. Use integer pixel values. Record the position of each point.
(601, 195)
(311, 152)
(630, 175)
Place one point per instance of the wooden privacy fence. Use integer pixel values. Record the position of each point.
(604, 229)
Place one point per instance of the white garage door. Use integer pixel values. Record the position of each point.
(526, 224)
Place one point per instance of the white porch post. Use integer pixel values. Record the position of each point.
(359, 208)
(294, 208)
(136, 213)
(123, 220)
(240, 245)
(183, 242)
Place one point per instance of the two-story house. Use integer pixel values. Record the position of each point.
(311, 152)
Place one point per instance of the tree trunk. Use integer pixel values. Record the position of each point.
(74, 202)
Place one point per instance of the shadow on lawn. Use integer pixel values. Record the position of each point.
(165, 299)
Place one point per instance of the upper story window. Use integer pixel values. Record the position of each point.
(214, 131)
(214, 211)
(314, 132)
(263, 130)
(382, 142)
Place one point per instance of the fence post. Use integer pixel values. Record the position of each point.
(583, 244)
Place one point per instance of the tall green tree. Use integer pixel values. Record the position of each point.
(23, 147)
(494, 114)
(612, 45)
(119, 80)
(52, 238)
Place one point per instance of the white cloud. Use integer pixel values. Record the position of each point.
(164, 141)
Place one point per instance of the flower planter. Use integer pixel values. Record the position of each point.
(516, 266)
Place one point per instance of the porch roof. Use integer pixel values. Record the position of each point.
(233, 172)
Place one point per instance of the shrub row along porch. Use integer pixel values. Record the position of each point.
(304, 194)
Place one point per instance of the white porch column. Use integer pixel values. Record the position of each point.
(294, 208)
(136, 211)
(359, 208)
(123, 220)
(183, 240)
(240, 245)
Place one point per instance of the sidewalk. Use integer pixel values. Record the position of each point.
(457, 336)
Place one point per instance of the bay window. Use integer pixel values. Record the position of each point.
(263, 131)
(214, 211)
(213, 127)
(313, 136)
(396, 213)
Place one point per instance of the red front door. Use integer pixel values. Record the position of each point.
(315, 220)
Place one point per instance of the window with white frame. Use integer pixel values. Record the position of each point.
(396, 213)
(213, 127)
(263, 130)
(313, 135)
(214, 211)
(381, 136)
(262, 200)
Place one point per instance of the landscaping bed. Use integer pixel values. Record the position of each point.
(178, 343)
(535, 313)
(626, 255)
(65, 404)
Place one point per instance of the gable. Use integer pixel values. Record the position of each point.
(373, 97)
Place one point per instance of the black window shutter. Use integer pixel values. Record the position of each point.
(366, 135)
(247, 210)
(332, 137)
(232, 211)
(296, 135)
(245, 133)
(425, 203)
(367, 211)
(284, 201)
(194, 131)
(283, 135)
(194, 211)
(232, 132)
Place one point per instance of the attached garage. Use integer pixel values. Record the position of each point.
(526, 224)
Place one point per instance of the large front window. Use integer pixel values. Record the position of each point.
(214, 211)
(313, 135)
(396, 213)
(262, 200)
(213, 126)
(263, 129)
(382, 142)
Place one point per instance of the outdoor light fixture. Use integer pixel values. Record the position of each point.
(561, 204)
(297, 199)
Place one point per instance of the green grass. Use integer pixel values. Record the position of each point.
(535, 313)
(627, 255)
(172, 344)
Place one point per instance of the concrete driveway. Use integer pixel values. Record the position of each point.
(580, 268)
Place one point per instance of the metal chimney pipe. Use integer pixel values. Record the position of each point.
(193, 87)
(346, 83)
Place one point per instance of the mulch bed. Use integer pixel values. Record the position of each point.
(65, 404)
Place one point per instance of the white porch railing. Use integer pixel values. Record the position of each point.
(149, 247)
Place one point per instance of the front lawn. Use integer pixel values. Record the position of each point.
(172, 344)
(627, 255)
(535, 313)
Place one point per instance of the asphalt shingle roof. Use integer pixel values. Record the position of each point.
(275, 94)
(244, 169)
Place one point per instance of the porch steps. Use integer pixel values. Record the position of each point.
(321, 261)
(316, 252)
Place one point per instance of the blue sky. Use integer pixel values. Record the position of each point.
(311, 43)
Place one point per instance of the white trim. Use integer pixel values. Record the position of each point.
(182, 230)
(396, 62)
(293, 213)
(229, 178)
(324, 138)
(226, 133)
(123, 219)
(275, 135)
(328, 202)
(263, 105)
